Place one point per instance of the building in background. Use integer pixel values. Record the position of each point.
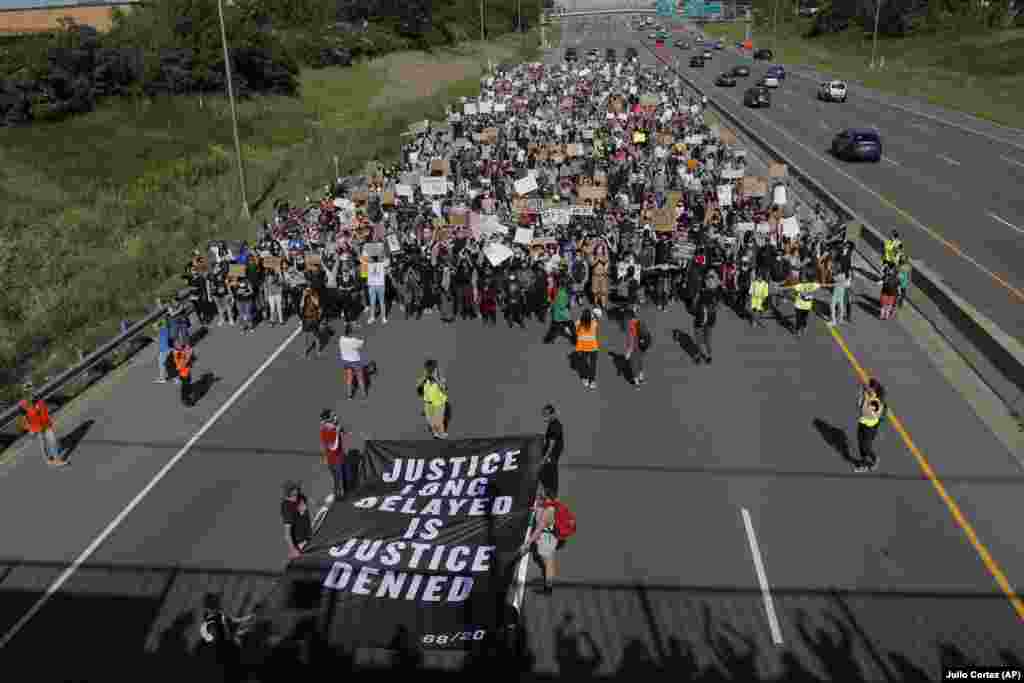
(40, 16)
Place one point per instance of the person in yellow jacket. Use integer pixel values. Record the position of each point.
(434, 391)
(803, 302)
(759, 291)
(872, 412)
(587, 347)
(893, 249)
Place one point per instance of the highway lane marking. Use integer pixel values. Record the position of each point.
(937, 119)
(891, 161)
(1006, 222)
(128, 509)
(762, 578)
(948, 160)
(954, 509)
(1012, 161)
(953, 247)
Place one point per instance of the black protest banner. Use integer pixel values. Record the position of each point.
(427, 545)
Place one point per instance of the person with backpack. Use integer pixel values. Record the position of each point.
(873, 411)
(433, 389)
(553, 523)
(638, 341)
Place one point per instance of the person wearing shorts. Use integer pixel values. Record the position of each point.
(351, 353)
(543, 538)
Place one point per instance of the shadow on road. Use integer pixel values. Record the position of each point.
(836, 438)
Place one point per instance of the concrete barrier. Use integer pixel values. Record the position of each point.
(1005, 353)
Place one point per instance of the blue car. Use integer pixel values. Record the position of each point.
(858, 144)
(777, 71)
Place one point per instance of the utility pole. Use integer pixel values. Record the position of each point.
(874, 42)
(234, 111)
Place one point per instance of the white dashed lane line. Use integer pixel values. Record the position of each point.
(948, 160)
(1006, 223)
(1013, 161)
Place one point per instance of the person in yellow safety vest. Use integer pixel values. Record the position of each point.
(872, 412)
(183, 365)
(434, 390)
(803, 302)
(587, 347)
(37, 421)
(893, 248)
(759, 292)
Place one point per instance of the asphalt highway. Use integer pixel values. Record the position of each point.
(697, 496)
(950, 187)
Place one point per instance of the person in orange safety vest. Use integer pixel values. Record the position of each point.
(587, 348)
(183, 366)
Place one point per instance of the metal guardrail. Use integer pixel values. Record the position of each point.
(46, 391)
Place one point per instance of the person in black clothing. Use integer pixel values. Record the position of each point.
(554, 445)
(705, 316)
(298, 524)
(515, 303)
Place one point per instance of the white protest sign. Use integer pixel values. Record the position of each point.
(433, 187)
(485, 107)
(500, 108)
(732, 172)
(790, 227)
(497, 253)
(403, 190)
(470, 110)
(725, 195)
(694, 139)
(526, 185)
(394, 244)
(764, 228)
(779, 195)
(744, 227)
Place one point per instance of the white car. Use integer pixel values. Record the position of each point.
(832, 91)
(769, 82)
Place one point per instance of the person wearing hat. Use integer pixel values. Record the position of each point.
(332, 450)
(298, 524)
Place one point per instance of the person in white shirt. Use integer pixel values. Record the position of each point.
(376, 279)
(351, 353)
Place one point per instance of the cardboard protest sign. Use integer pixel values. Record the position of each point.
(272, 263)
(457, 217)
(388, 199)
(574, 150)
(314, 261)
(754, 187)
(440, 167)
(360, 197)
(524, 235)
(727, 137)
(665, 139)
(777, 170)
(526, 185)
(592, 192)
(489, 136)
(665, 219)
(434, 187)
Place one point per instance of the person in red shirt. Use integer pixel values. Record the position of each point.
(38, 422)
(332, 449)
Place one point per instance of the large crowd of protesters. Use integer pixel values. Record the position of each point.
(561, 192)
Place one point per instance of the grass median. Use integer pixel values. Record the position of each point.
(100, 213)
(974, 71)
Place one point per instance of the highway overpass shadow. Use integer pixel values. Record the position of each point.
(115, 621)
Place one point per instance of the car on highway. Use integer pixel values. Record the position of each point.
(832, 91)
(707, 54)
(757, 96)
(696, 61)
(726, 80)
(858, 144)
(700, 40)
(768, 82)
(653, 36)
(571, 54)
(718, 45)
(776, 70)
(741, 71)
(763, 53)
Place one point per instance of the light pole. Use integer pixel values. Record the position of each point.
(874, 42)
(234, 112)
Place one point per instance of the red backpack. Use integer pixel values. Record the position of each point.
(565, 520)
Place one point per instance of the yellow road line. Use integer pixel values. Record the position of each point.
(954, 509)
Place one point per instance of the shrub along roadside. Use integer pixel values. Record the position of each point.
(96, 234)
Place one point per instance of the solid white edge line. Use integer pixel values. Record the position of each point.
(1006, 223)
(762, 578)
(891, 161)
(524, 564)
(949, 159)
(117, 521)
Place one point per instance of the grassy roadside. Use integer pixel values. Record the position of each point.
(100, 212)
(974, 72)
